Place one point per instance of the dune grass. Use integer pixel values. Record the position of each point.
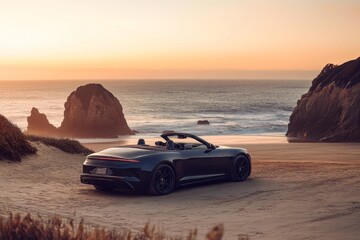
(64, 144)
(15, 227)
(13, 144)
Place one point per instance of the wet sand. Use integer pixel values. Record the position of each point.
(296, 191)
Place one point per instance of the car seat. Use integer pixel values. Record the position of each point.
(170, 145)
(141, 142)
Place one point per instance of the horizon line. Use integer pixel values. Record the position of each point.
(164, 79)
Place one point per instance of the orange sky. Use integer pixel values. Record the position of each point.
(113, 39)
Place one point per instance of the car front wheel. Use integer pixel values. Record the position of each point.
(240, 168)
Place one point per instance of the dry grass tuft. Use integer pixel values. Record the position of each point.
(15, 227)
(64, 144)
(13, 144)
(216, 233)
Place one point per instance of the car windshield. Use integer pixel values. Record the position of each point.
(176, 139)
(174, 142)
(187, 143)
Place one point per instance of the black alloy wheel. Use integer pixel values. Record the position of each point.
(241, 168)
(163, 180)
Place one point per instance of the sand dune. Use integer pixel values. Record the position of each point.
(296, 191)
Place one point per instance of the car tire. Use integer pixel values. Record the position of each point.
(162, 180)
(241, 168)
(104, 188)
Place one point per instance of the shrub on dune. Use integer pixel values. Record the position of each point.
(64, 144)
(13, 144)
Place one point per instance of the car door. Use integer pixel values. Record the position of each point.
(200, 163)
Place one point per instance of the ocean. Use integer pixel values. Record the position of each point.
(233, 107)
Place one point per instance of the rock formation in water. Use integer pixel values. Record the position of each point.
(90, 111)
(203, 122)
(38, 124)
(93, 111)
(330, 110)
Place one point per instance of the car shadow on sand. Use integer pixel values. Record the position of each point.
(212, 186)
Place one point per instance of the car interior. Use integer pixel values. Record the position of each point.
(171, 145)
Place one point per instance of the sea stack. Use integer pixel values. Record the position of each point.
(38, 124)
(91, 111)
(330, 110)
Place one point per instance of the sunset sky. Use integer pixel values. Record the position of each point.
(114, 39)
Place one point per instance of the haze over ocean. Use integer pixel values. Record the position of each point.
(150, 107)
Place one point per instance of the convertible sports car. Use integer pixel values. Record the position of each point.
(179, 160)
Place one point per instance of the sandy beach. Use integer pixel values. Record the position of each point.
(296, 191)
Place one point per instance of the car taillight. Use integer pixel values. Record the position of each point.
(113, 159)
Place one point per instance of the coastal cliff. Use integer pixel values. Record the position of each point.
(90, 111)
(330, 110)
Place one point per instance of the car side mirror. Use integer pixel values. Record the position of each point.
(211, 147)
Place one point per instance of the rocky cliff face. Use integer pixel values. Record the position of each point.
(330, 110)
(90, 111)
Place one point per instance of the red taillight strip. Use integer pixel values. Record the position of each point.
(113, 159)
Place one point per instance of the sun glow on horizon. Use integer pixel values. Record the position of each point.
(178, 39)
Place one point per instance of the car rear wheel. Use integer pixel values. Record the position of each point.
(104, 188)
(240, 169)
(163, 180)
